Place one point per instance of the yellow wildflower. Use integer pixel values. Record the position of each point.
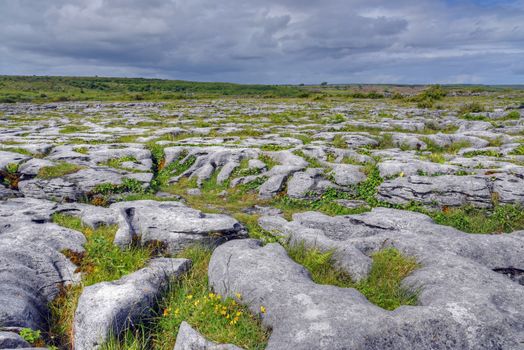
(262, 309)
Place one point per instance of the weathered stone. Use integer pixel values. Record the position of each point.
(108, 308)
(462, 304)
(172, 224)
(447, 190)
(33, 266)
(189, 339)
(76, 186)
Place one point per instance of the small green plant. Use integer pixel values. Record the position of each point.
(519, 151)
(367, 189)
(33, 337)
(270, 162)
(513, 115)
(82, 150)
(58, 170)
(12, 168)
(339, 141)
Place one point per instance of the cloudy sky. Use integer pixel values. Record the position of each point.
(267, 41)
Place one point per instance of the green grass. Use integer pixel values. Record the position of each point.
(71, 129)
(486, 153)
(17, 150)
(58, 89)
(223, 320)
(58, 170)
(324, 203)
(383, 285)
(220, 320)
(513, 115)
(102, 261)
(503, 218)
(82, 150)
(519, 151)
(117, 162)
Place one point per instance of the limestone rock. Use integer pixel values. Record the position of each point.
(110, 307)
(190, 339)
(172, 224)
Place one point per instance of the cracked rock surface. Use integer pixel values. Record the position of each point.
(33, 248)
(463, 302)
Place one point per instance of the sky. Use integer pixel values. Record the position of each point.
(268, 41)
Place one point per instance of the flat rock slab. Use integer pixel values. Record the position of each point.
(77, 186)
(190, 339)
(108, 308)
(463, 302)
(446, 190)
(172, 224)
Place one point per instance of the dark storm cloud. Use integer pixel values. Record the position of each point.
(267, 41)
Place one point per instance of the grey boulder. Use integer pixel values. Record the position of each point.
(108, 308)
(172, 224)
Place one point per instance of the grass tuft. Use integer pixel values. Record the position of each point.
(382, 287)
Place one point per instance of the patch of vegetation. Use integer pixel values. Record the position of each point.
(513, 115)
(487, 153)
(102, 261)
(117, 162)
(71, 129)
(473, 107)
(367, 189)
(273, 148)
(383, 285)
(476, 117)
(313, 162)
(324, 203)
(503, 218)
(10, 176)
(218, 319)
(519, 151)
(58, 89)
(452, 148)
(270, 162)
(82, 150)
(33, 337)
(339, 141)
(58, 170)
(18, 150)
(127, 185)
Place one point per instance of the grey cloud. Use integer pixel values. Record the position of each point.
(265, 41)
